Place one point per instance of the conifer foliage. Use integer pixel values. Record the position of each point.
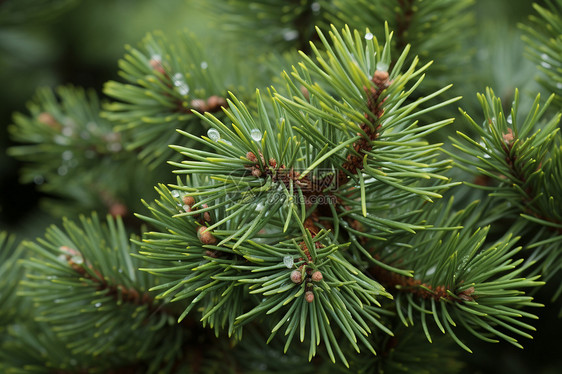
(312, 223)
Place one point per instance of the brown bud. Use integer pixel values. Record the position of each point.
(305, 92)
(133, 294)
(251, 156)
(199, 105)
(156, 64)
(206, 215)
(272, 162)
(48, 119)
(317, 276)
(69, 251)
(146, 298)
(508, 138)
(215, 102)
(205, 236)
(118, 209)
(296, 276)
(309, 296)
(256, 172)
(188, 200)
(212, 254)
(380, 77)
(482, 180)
(466, 295)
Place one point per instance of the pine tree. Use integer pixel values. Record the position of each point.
(296, 192)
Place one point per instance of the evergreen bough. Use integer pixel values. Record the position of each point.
(318, 215)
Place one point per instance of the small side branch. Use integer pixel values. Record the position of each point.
(400, 283)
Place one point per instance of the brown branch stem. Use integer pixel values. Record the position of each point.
(517, 173)
(400, 283)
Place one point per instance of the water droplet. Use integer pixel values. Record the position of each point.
(545, 57)
(120, 270)
(227, 142)
(430, 271)
(179, 260)
(97, 305)
(67, 155)
(57, 301)
(509, 119)
(204, 65)
(289, 34)
(259, 207)
(288, 261)
(315, 6)
(180, 84)
(62, 140)
(546, 65)
(183, 89)
(382, 66)
(187, 208)
(67, 131)
(486, 155)
(92, 126)
(38, 179)
(559, 86)
(62, 170)
(77, 260)
(213, 134)
(256, 134)
(156, 58)
(114, 147)
(175, 193)
(369, 36)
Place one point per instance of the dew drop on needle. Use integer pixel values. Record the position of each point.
(256, 135)
(213, 134)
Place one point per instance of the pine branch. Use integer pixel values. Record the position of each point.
(92, 301)
(13, 308)
(309, 212)
(17, 12)
(456, 281)
(523, 158)
(409, 352)
(434, 31)
(166, 81)
(284, 24)
(543, 37)
(245, 215)
(70, 152)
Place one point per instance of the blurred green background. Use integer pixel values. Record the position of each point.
(63, 42)
(79, 42)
